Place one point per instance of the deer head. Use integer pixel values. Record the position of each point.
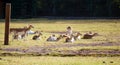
(31, 26)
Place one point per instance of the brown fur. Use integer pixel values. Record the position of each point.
(89, 36)
(77, 35)
(21, 29)
(35, 37)
(60, 37)
(70, 39)
(16, 35)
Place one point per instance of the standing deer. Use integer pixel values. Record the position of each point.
(21, 29)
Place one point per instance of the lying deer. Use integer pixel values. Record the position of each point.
(19, 36)
(52, 38)
(77, 36)
(70, 39)
(37, 37)
(89, 35)
(60, 37)
(21, 29)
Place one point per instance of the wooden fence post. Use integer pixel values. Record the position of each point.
(7, 21)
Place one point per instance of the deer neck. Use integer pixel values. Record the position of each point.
(29, 28)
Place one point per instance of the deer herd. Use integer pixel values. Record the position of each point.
(69, 36)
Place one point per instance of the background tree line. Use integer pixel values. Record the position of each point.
(71, 8)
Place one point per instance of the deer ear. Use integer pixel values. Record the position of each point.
(31, 25)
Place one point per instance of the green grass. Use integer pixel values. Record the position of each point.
(47, 60)
(89, 47)
(108, 29)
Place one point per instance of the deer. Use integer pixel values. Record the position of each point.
(19, 36)
(77, 36)
(21, 29)
(89, 35)
(52, 38)
(37, 37)
(16, 36)
(70, 39)
(60, 37)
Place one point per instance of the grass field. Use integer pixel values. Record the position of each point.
(60, 60)
(109, 31)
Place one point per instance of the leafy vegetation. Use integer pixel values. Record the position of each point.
(70, 8)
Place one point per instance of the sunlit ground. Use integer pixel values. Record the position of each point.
(109, 31)
(46, 60)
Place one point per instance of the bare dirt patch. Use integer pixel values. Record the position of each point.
(48, 50)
